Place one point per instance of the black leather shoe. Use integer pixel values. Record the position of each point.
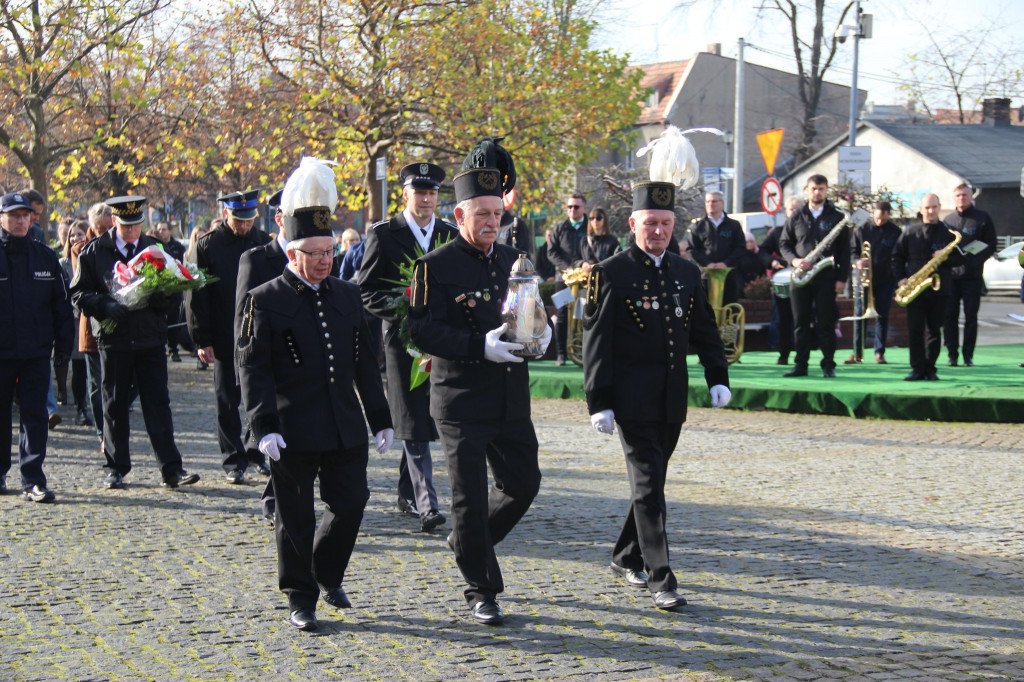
(931, 376)
(235, 476)
(54, 421)
(337, 598)
(407, 506)
(782, 361)
(185, 478)
(38, 493)
(796, 372)
(114, 481)
(488, 612)
(262, 468)
(952, 362)
(968, 363)
(914, 376)
(304, 619)
(431, 520)
(632, 577)
(828, 373)
(174, 356)
(668, 600)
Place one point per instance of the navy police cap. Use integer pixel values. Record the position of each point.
(242, 205)
(13, 201)
(422, 175)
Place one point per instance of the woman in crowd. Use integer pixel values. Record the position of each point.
(601, 243)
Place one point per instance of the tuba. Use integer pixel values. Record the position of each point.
(863, 291)
(576, 279)
(730, 318)
(926, 277)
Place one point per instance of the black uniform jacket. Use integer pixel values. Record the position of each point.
(802, 232)
(974, 224)
(456, 299)
(302, 355)
(258, 266)
(566, 248)
(145, 328)
(211, 310)
(35, 308)
(722, 244)
(388, 245)
(917, 245)
(883, 241)
(638, 325)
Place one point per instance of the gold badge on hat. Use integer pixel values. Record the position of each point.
(661, 196)
(322, 220)
(488, 180)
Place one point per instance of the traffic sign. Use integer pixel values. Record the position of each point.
(769, 143)
(854, 158)
(771, 196)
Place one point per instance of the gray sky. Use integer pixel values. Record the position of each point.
(654, 30)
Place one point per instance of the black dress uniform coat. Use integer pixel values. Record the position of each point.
(211, 310)
(635, 353)
(389, 244)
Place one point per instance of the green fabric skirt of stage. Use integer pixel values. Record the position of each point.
(991, 391)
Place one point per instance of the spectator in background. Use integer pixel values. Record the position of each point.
(600, 242)
(348, 239)
(545, 268)
(565, 250)
(40, 225)
(177, 334)
(79, 367)
(516, 233)
(716, 241)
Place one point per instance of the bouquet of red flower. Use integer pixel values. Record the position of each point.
(151, 271)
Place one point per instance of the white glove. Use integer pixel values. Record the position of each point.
(545, 340)
(497, 350)
(271, 444)
(720, 396)
(384, 439)
(603, 421)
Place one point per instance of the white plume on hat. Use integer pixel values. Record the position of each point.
(311, 184)
(673, 158)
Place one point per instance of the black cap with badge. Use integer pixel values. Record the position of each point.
(127, 210)
(488, 170)
(13, 201)
(422, 175)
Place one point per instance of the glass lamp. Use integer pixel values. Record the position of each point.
(523, 309)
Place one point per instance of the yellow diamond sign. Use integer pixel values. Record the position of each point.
(769, 143)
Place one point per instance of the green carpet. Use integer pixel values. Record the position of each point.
(991, 391)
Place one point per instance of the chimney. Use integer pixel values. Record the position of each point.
(715, 49)
(995, 111)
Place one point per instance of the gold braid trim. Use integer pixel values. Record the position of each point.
(247, 328)
(593, 287)
(419, 294)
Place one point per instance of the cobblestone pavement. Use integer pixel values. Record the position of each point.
(809, 548)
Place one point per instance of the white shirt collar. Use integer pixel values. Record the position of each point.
(122, 245)
(657, 259)
(414, 227)
(717, 222)
(314, 287)
(816, 212)
(282, 241)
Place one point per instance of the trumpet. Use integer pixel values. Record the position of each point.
(863, 290)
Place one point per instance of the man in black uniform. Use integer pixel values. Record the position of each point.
(915, 247)
(210, 313)
(881, 233)
(132, 357)
(967, 282)
(35, 315)
(716, 241)
(302, 355)
(389, 244)
(480, 392)
(645, 309)
(815, 302)
(565, 251)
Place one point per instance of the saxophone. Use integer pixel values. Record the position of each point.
(926, 277)
(802, 277)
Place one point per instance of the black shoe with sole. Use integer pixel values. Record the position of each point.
(796, 372)
(337, 598)
(304, 619)
(633, 577)
(114, 481)
(431, 520)
(668, 600)
(407, 507)
(488, 612)
(235, 476)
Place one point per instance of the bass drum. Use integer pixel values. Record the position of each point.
(780, 282)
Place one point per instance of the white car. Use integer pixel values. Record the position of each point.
(1003, 271)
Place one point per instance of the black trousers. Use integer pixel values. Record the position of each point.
(481, 518)
(31, 379)
(146, 370)
(92, 361)
(924, 330)
(780, 330)
(814, 307)
(642, 542)
(967, 292)
(229, 421)
(311, 558)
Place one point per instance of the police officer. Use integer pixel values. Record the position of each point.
(480, 392)
(210, 313)
(717, 241)
(645, 310)
(389, 244)
(302, 355)
(35, 314)
(132, 354)
(814, 303)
